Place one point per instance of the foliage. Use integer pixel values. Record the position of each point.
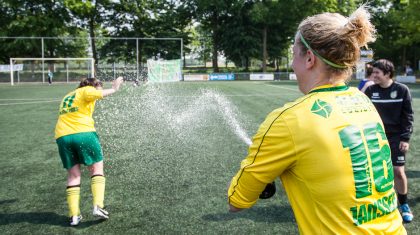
(37, 18)
(240, 30)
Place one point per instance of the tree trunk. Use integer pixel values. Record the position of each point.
(214, 57)
(92, 42)
(92, 37)
(215, 37)
(264, 60)
(403, 59)
(247, 63)
(185, 61)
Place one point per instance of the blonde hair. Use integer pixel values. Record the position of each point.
(337, 38)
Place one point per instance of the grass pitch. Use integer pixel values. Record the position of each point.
(170, 151)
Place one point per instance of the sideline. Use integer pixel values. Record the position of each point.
(40, 99)
(32, 102)
(281, 87)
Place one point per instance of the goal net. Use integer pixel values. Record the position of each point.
(164, 70)
(50, 70)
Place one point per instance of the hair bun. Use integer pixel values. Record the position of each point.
(359, 27)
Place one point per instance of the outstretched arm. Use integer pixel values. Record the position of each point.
(115, 87)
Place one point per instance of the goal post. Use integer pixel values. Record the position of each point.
(90, 66)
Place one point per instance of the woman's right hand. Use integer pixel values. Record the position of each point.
(117, 82)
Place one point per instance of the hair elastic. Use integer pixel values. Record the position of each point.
(339, 66)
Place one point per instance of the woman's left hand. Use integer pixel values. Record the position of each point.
(404, 146)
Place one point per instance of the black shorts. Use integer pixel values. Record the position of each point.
(397, 156)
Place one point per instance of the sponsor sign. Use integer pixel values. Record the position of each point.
(195, 77)
(221, 77)
(366, 55)
(292, 76)
(406, 79)
(261, 76)
(6, 67)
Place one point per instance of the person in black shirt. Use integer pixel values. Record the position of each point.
(393, 102)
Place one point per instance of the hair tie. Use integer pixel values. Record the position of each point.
(339, 66)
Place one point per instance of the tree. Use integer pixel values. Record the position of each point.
(89, 15)
(211, 15)
(398, 28)
(37, 18)
(146, 19)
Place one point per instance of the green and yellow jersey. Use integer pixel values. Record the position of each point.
(331, 153)
(76, 111)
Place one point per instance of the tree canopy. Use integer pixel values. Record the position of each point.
(239, 30)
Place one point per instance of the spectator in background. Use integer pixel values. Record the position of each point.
(368, 80)
(50, 76)
(408, 70)
(393, 102)
(317, 144)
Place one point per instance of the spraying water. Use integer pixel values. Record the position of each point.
(182, 115)
(229, 115)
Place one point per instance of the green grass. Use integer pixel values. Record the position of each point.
(169, 155)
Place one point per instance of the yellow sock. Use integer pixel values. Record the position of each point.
(73, 198)
(98, 190)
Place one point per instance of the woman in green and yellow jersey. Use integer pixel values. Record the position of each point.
(79, 144)
(328, 147)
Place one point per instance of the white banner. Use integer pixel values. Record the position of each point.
(6, 67)
(195, 77)
(261, 76)
(292, 76)
(406, 79)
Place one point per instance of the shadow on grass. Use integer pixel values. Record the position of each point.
(272, 214)
(8, 201)
(412, 174)
(49, 218)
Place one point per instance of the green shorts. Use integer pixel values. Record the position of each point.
(80, 148)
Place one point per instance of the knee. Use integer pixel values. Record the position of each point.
(399, 173)
(74, 176)
(97, 169)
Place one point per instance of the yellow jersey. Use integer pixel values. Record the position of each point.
(76, 111)
(331, 153)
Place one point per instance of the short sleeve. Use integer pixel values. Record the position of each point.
(90, 94)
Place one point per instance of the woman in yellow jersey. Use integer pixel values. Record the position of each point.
(79, 144)
(328, 147)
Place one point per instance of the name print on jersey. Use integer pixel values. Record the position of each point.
(354, 103)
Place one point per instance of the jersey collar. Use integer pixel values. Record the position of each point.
(329, 87)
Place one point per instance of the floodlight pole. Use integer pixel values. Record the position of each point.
(43, 73)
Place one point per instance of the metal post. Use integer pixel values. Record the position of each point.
(182, 51)
(11, 72)
(42, 48)
(181, 64)
(18, 77)
(137, 60)
(67, 71)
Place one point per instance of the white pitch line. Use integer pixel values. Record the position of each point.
(244, 95)
(34, 102)
(40, 99)
(286, 88)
